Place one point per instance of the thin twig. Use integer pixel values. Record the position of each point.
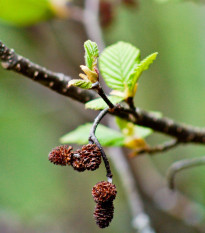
(98, 88)
(59, 83)
(159, 148)
(93, 139)
(181, 165)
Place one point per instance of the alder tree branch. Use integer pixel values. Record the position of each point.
(59, 82)
(159, 148)
(93, 139)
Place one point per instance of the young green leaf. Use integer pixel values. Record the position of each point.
(105, 135)
(143, 65)
(91, 54)
(25, 12)
(99, 103)
(80, 83)
(129, 129)
(117, 62)
(142, 132)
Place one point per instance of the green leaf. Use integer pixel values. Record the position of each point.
(117, 62)
(91, 54)
(80, 83)
(105, 135)
(144, 65)
(25, 12)
(99, 103)
(130, 129)
(142, 132)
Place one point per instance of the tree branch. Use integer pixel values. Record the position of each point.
(55, 81)
(181, 165)
(59, 82)
(93, 139)
(159, 148)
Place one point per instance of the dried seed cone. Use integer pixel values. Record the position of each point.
(104, 213)
(61, 155)
(91, 156)
(78, 164)
(104, 192)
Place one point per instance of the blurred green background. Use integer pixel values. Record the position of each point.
(36, 196)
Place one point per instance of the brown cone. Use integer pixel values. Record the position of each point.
(104, 192)
(61, 155)
(91, 156)
(78, 164)
(103, 214)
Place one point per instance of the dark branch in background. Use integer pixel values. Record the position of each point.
(93, 139)
(59, 83)
(141, 222)
(159, 148)
(181, 165)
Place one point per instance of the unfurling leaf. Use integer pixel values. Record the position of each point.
(143, 65)
(105, 135)
(121, 68)
(134, 135)
(99, 103)
(117, 63)
(135, 143)
(80, 83)
(89, 74)
(91, 54)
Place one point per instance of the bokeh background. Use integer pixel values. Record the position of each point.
(36, 196)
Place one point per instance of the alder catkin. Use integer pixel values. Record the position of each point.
(61, 155)
(104, 191)
(88, 158)
(91, 156)
(103, 213)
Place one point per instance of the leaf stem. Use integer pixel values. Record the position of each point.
(97, 87)
(93, 139)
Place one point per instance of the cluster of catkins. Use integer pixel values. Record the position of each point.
(89, 158)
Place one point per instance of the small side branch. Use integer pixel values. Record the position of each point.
(159, 148)
(97, 87)
(93, 139)
(181, 165)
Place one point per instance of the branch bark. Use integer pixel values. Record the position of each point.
(59, 82)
